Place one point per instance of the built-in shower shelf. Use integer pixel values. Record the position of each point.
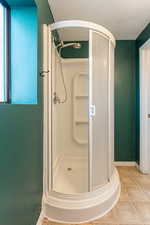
(81, 121)
(81, 96)
(74, 60)
(80, 107)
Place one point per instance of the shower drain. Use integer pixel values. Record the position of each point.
(69, 168)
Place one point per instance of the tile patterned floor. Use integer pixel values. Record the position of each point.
(133, 207)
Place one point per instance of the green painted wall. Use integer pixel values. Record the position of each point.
(142, 38)
(71, 52)
(125, 90)
(20, 164)
(21, 149)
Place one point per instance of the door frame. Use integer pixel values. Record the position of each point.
(144, 54)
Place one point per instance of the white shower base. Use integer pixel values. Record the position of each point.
(81, 208)
(71, 176)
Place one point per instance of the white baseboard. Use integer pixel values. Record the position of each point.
(137, 166)
(125, 163)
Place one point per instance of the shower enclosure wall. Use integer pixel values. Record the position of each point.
(80, 183)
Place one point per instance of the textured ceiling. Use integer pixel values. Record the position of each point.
(124, 18)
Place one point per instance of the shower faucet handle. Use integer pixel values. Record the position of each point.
(92, 110)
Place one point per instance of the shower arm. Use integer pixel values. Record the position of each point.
(62, 45)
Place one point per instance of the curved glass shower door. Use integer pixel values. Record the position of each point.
(99, 70)
(80, 111)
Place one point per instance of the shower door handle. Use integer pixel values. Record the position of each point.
(92, 110)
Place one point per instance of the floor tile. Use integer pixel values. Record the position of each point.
(110, 217)
(124, 196)
(143, 209)
(146, 189)
(127, 180)
(126, 213)
(47, 222)
(142, 179)
(136, 193)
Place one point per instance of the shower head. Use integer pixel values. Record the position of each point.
(75, 45)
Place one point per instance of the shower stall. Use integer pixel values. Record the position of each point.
(80, 182)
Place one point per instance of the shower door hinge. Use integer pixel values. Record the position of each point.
(92, 110)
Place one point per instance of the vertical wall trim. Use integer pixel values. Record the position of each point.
(144, 107)
(90, 157)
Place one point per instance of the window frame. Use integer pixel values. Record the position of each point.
(8, 31)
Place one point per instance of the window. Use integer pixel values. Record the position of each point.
(4, 52)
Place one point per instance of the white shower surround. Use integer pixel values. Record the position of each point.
(84, 207)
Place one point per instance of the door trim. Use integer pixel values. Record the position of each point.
(90, 118)
(144, 53)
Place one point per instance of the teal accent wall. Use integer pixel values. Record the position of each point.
(125, 101)
(21, 161)
(141, 39)
(24, 55)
